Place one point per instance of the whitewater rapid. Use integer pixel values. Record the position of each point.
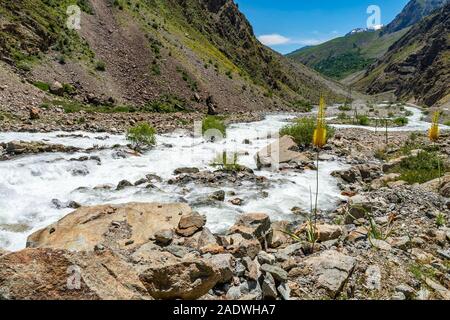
(28, 184)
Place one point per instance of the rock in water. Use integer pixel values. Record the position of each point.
(280, 151)
(113, 226)
(180, 280)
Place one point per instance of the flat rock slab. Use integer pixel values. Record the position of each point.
(331, 270)
(47, 274)
(117, 226)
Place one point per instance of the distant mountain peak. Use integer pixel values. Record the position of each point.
(359, 30)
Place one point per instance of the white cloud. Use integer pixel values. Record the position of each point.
(308, 42)
(277, 39)
(273, 39)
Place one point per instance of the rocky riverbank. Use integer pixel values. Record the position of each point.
(383, 243)
(386, 239)
(164, 251)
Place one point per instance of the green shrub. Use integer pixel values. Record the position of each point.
(141, 135)
(100, 65)
(303, 131)
(42, 85)
(345, 107)
(68, 88)
(363, 120)
(302, 106)
(401, 121)
(447, 123)
(211, 122)
(421, 168)
(166, 104)
(343, 116)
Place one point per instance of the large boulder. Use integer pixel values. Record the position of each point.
(183, 279)
(190, 224)
(47, 274)
(57, 88)
(280, 151)
(114, 226)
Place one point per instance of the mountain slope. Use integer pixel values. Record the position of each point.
(343, 57)
(417, 67)
(413, 12)
(142, 53)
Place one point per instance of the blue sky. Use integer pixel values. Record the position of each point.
(286, 25)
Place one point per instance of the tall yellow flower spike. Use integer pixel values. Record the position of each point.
(320, 133)
(433, 134)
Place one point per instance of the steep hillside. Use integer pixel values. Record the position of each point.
(417, 67)
(413, 12)
(345, 56)
(152, 55)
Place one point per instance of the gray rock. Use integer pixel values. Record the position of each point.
(184, 279)
(178, 251)
(252, 267)
(284, 291)
(225, 264)
(359, 207)
(252, 226)
(251, 287)
(293, 250)
(56, 88)
(164, 237)
(269, 291)
(278, 273)
(190, 224)
(218, 195)
(373, 277)
(331, 269)
(239, 268)
(123, 184)
(406, 290)
(264, 257)
(234, 293)
(140, 182)
(206, 238)
(398, 296)
(402, 243)
(186, 170)
(444, 253)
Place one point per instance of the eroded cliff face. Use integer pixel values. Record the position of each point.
(417, 66)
